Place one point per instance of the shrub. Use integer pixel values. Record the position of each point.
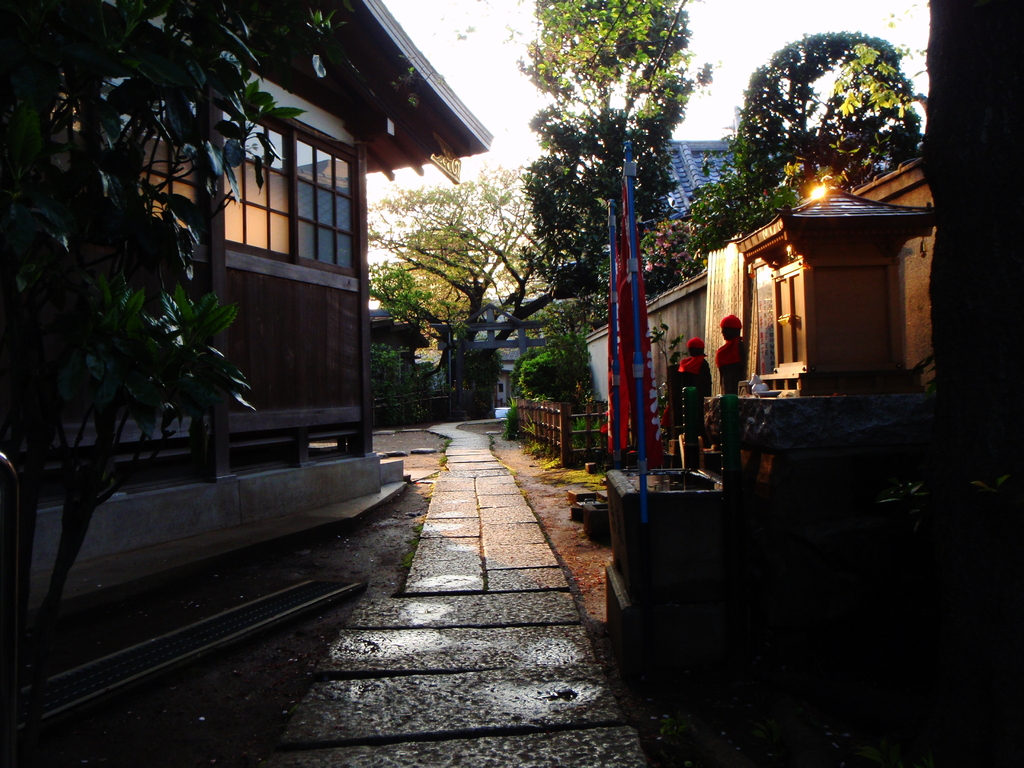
(510, 430)
(560, 371)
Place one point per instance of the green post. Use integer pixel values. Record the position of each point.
(694, 419)
(730, 433)
(732, 499)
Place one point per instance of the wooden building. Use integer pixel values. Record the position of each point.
(293, 256)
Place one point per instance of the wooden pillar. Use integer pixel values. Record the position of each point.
(218, 460)
(365, 444)
(565, 428)
(300, 451)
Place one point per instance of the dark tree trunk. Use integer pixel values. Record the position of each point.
(974, 155)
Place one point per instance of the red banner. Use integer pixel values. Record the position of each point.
(627, 390)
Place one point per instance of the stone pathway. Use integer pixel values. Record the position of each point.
(480, 662)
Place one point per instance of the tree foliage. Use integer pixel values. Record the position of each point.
(614, 71)
(665, 249)
(457, 248)
(558, 371)
(109, 174)
(797, 129)
(403, 392)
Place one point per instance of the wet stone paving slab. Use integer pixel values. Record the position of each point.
(486, 485)
(426, 580)
(507, 534)
(497, 515)
(478, 472)
(526, 579)
(451, 511)
(465, 527)
(504, 610)
(465, 666)
(448, 549)
(464, 704)
(448, 484)
(403, 651)
(617, 746)
(502, 501)
(518, 556)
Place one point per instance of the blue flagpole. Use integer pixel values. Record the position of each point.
(613, 338)
(642, 415)
(638, 357)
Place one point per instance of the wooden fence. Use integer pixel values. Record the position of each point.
(553, 424)
(415, 408)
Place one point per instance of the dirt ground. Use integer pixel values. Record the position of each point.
(229, 709)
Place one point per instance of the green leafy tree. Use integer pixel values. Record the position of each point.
(797, 129)
(401, 390)
(108, 176)
(457, 248)
(558, 371)
(613, 71)
(665, 249)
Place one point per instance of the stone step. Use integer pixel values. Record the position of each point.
(420, 707)
(617, 746)
(497, 610)
(498, 557)
(526, 579)
(386, 652)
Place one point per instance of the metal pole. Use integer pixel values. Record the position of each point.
(638, 358)
(629, 171)
(613, 336)
(8, 613)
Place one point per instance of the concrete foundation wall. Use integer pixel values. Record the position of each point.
(140, 519)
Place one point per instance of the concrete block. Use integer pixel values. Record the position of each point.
(280, 492)
(578, 497)
(687, 535)
(595, 521)
(136, 520)
(682, 635)
(392, 471)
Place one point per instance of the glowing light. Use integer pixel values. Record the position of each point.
(819, 192)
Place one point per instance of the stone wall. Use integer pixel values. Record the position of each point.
(827, 564)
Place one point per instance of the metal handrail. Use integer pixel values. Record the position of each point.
(8, 613)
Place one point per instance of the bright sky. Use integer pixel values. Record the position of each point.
(475, 45)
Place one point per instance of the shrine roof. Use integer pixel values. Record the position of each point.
(837, 211)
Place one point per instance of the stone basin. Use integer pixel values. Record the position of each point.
(686, 526)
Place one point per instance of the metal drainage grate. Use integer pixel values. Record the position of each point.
(124, 668)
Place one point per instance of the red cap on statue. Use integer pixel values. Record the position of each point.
(731, 321)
